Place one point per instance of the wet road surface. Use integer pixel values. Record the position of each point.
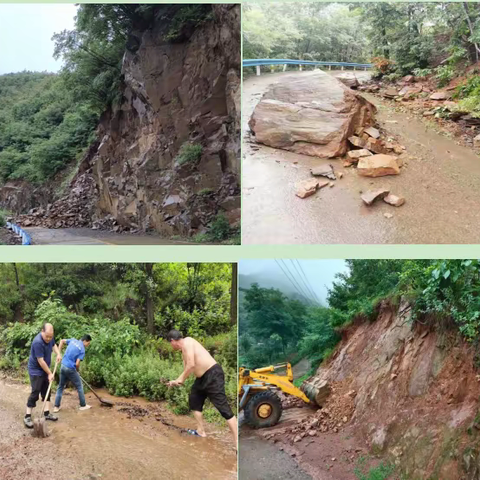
(87, 236)
(105, 443)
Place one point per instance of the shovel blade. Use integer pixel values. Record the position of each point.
(40, 428)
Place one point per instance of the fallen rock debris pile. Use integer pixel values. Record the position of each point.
(75, 209)
(422, 96)
(336, 413)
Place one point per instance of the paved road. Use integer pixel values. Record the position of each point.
(259, 460)
(87, 236)
(440, 184)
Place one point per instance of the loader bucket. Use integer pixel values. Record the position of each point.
(317, 394)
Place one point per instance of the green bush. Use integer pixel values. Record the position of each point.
(3, 218)
(219, 229)
(443, 74)
(189, 153)
(382, 471)
(422, 72)
(470, 87)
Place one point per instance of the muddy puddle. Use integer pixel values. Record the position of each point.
(135, 439)
(439, 182)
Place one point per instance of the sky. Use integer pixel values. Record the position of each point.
(26, 32)
(319, 273)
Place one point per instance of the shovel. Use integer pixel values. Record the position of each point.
(103, 402)
(39, 425)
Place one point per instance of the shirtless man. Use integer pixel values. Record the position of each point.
(210, 381)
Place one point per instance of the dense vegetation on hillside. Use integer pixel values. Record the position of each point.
(443, 293)
(127, 309)
(425, 39)
(47, 120)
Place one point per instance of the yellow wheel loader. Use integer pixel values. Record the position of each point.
(257, 391)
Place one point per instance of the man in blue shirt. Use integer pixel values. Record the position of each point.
(39, 371)
(74, 354)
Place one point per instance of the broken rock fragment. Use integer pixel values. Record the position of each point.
(394, 200)
(309, 187)
(378, 166)
(356, 154)
(390, 92)
(372, 132)
(325, 170)
(439, 96)
(372, 195)
(357, 141)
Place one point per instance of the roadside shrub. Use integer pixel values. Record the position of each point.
(443, 74)
(470, 88)
(382, 471)
(219, 229)
(3, 218)
(422, 72)
(450, 290)
(189, 153)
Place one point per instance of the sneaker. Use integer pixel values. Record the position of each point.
(28, 422)
(86, 407)
(51, 417)
(56, 409)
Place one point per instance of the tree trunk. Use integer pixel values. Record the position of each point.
(16, 276)
(234, 295)
(149, 299)
(470, 27)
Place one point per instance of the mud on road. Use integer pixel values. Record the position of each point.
(440, 182)
(132, 440)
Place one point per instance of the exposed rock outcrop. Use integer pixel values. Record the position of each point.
(312, 114)
(174, 93)
(415, 394)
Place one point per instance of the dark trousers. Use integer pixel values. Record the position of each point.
(39, 387)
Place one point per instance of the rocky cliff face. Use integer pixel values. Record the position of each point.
(175, 93)
(416, 394)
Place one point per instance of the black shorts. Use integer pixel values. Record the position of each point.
(211, 385)
(39, 387)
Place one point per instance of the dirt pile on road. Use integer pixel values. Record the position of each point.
(312, 114)
(332, 417)
(410, 391)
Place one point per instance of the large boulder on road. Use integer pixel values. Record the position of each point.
(311, 113)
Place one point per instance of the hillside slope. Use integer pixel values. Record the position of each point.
(176, 94)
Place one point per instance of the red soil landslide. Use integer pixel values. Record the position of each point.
(400, 391)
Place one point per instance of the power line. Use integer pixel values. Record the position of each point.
(295, 280)
(306, 286)
(289, 279)
(312, 290)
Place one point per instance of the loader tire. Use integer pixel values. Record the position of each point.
(263, 410)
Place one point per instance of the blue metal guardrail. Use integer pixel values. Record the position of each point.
(26, 240)
(275, 61)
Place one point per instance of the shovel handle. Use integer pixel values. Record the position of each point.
(93, 391)
(49, 388)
